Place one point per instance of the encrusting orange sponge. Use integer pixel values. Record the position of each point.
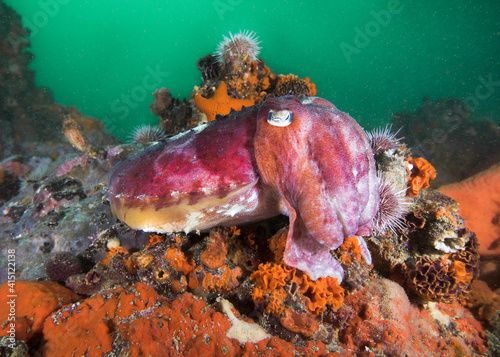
(270, 278)
(421, 172)
(33, 302)
(220, 103)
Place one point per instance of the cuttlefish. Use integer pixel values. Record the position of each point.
(302, 158)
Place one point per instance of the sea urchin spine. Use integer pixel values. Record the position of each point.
(381, 139)
(393, 205)
(148, 134)
(243, 45)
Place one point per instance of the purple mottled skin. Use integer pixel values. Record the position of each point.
(313, 163)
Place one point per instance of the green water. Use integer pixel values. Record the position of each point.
(370, 58)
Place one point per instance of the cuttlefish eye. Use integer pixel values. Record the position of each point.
(280, 118)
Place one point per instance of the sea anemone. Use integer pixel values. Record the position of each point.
(392, 207)
(381, 139)
(243, 45)
(148, 134)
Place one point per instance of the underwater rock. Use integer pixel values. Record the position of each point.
(247, 77)
(439, 131)
(232, 78)
(12, 170)
(484, 301)
(30, 120)
(28, 114)
(209, 67)
(435, 226)
(434, 254)
(479, 198)
(60, 266)
(381, 320)
(145, 323)
(52, 214)
(378, 318)
(175, 115)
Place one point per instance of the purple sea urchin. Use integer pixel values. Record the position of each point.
(242, 45)
(381, 139)
(148, 134)
(392, 207)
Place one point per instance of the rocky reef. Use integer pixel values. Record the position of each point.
(28, 114)
(438, 131)
(88, 284)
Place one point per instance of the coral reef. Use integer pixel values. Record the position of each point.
(134, 321)
(144, 323)
(175, 115)
(33, 302)
(421, 173)
(379, 320)
(232, 291)
(437, 256)
(479, 198)
(28, 114)
(38, 215)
